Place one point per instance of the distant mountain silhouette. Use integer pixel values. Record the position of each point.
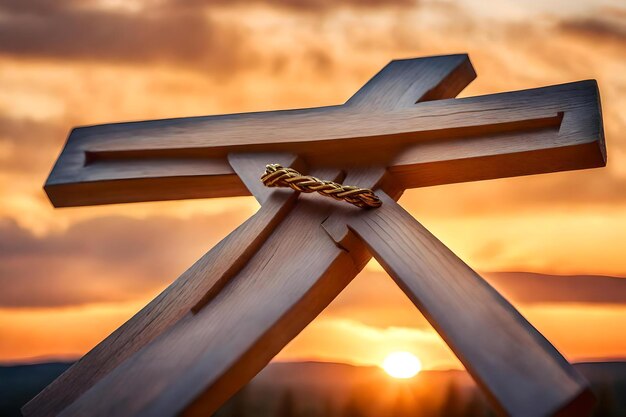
(291, 389)
(19, 383)
(528, 287)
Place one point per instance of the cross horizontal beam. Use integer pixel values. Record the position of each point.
(428, 143)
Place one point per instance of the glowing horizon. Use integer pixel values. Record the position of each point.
(71, 276)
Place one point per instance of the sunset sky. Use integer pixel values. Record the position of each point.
(68, 277)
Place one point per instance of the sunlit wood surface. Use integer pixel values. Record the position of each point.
(224, 319)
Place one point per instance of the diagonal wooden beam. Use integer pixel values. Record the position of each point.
(521, 372)
(192, 290)
(204, 358)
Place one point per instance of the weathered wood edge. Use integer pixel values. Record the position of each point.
(520, 371)
(192, 290)
(437, 77)
(237, 331)
(563, 136)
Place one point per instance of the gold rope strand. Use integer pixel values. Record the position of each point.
(278, 176)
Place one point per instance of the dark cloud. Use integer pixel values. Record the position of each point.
(599, 27)
(65, 31)
(525, 287)
(376, 290)
(374, 299)
(298, 5)
(117, 259)
(39, 7)
(173, 32)
(100, 260)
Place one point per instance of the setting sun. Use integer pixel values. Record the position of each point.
(402, 365)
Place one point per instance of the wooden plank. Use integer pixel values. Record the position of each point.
(79, 179)
(404, 82)
(193, 289)
(557, 127)
(206, 357)
(306, 130)
(250, 167)
(576, 142)
(522, 373)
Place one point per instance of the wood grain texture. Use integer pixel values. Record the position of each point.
(193, 289)
(204, 358)
(83, 176)
(249, 167)
(559, 127)
(226, 317)
(404, 82)
(521, 372)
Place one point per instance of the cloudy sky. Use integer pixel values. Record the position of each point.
(68, 277)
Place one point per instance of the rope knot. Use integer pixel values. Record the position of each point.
(278, 176)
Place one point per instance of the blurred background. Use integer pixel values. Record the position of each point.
(552, 244)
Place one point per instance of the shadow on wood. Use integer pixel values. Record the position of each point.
(224, 319)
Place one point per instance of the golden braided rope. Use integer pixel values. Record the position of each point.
(278, 176)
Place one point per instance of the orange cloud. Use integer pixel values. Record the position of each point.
(107, 259)
(71, 276)
(524, 287)
(70, 30)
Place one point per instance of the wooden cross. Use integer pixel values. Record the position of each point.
(226, 317)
